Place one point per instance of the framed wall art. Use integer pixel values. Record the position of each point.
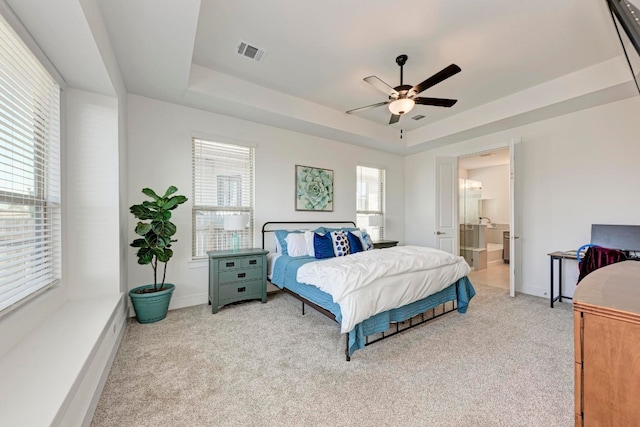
(314, 189)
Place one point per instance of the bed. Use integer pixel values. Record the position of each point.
(360, 291)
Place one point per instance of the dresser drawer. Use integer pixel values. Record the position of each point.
(238, 275)
(232, 263)
(241, 289)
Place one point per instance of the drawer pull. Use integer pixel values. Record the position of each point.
(242, 289)
(230, 264)
(253, 262)
(240, 275)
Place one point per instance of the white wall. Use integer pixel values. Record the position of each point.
(577, 169)
(495, 191)
(160, 155)
(92, 262)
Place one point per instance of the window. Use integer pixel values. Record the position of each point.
(370, 201)
(30, 213)
(222, 186)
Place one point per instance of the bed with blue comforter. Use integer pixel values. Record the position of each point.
(284, 275)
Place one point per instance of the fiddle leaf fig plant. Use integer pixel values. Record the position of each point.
(156, 230)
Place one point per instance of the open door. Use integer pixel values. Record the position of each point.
(446, 232)
(515, 250)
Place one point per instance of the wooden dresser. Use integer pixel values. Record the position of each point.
(606, 308)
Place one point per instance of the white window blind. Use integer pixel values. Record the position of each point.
(222, 185)
(30, 217)
(370, 200)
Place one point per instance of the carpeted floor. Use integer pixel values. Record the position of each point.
(506, 362)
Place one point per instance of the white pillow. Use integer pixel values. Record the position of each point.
(308, 238)
(340, 243)
(296, 245)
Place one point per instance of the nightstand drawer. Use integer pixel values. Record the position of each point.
(237, 275)
(232, 263)
(231, 291)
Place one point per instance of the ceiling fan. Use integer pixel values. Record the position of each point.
(404, 97)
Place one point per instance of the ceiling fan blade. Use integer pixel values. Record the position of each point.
(366, 107)
(437, 78)
(437, 102)
(380, 85)
(394, 119)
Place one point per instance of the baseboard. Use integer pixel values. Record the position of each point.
(534, 290)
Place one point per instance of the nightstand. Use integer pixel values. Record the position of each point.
(381, 244)
(237, 276)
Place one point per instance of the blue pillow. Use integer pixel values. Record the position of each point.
(323, 246)
(355, 245)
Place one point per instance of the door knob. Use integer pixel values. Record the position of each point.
(440, 232)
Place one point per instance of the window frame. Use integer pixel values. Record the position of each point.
(31, 127)
(223, 202)
(363, 216)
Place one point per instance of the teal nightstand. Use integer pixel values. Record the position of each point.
(237, 276)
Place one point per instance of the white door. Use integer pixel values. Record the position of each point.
(515, 250)
(446, 230)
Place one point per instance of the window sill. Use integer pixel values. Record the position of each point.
(47, 365)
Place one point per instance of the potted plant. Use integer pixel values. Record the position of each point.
(151, 302)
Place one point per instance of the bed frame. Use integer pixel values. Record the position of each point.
(431, 314)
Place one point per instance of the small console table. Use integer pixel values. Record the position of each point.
(560, 257)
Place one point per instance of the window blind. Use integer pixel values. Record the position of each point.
(30, 212)
(370, 199)
(222, 185)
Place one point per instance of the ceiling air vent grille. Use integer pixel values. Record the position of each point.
(251, 52)
(418, 117)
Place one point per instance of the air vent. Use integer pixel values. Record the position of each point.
(418, 117)
(251, 52)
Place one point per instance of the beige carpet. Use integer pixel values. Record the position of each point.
(507, 362)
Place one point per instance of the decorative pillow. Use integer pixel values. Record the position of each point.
(308, 239)
(322, 246)
(361, 235)
(296, 244)
(367, 240)
(281, 243)
(355, 244)
(340, 243)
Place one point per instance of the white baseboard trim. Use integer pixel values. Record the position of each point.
(534, 290)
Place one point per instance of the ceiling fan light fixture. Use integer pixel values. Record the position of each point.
(401, 106)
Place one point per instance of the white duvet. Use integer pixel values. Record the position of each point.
(371, 282)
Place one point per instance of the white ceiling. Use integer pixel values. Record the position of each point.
(521, 60)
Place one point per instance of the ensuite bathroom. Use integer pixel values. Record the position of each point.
(484, 209)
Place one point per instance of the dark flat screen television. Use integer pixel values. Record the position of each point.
(626, 19)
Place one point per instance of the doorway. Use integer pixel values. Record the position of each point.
(484, 212)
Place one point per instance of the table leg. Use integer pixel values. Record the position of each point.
(560, 279)
(551, 283)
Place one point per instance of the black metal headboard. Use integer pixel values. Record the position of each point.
(272, 226)
(622, 237)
